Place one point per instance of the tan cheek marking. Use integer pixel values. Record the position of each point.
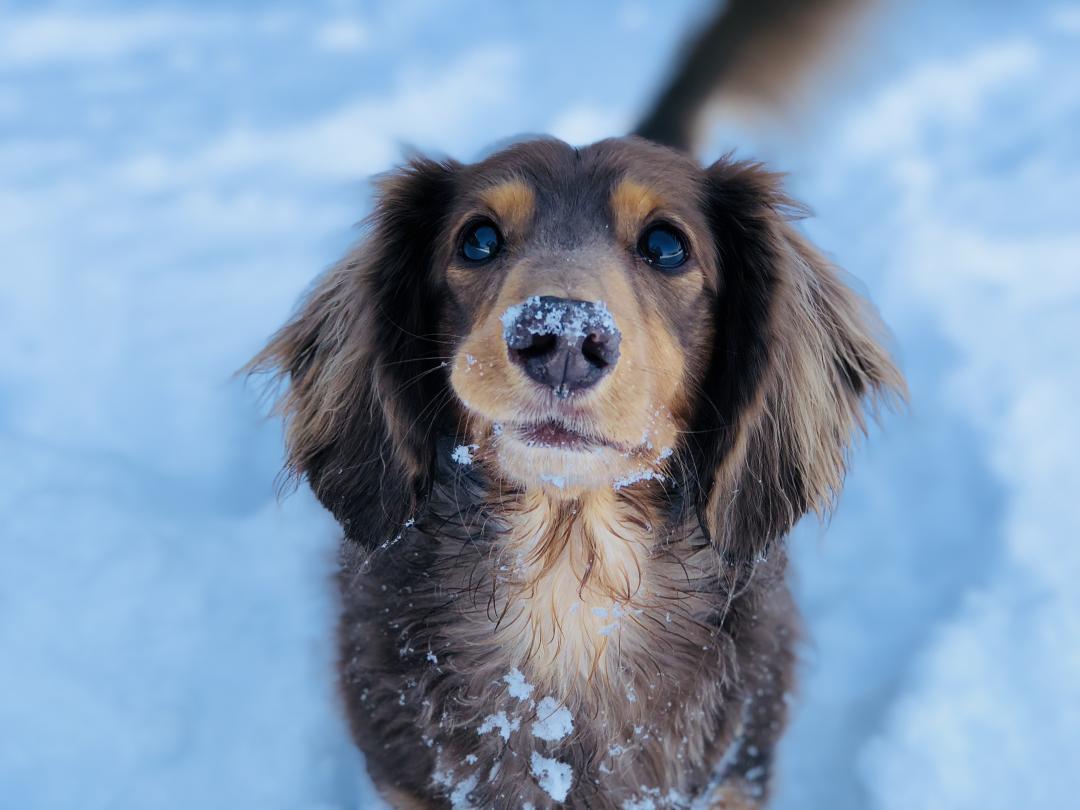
(668, 362)
(668, 384)
(482, 374)
(646, 386)
(512, 202)
(645, 405)
(627, 396)
(631, 203)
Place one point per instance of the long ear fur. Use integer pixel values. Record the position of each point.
(797, 363)
(361, 358)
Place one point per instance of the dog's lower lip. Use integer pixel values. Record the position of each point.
(555, 434)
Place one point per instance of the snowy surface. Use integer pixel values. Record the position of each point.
(172, 176)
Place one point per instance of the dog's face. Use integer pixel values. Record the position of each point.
(581, 318)
(579, 288)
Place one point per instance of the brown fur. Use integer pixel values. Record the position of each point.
(631, 204)
(511, 203)
(638, 587)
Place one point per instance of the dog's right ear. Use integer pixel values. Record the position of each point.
(799, 363)
(361, 361)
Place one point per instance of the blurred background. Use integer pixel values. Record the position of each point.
(172, 177)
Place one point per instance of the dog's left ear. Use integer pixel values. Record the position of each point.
(361, 358)
(796, 365)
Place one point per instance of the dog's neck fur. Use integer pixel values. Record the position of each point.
(576, 582)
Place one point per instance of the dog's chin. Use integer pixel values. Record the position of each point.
(567, 463)
(559, 470)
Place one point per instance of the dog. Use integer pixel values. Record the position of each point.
(566, 403)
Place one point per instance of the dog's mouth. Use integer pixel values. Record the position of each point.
(553, 434)
(572, 456)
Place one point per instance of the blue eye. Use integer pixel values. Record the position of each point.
(481, 242)
(663, 246)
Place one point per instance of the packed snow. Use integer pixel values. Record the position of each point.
(554, 721)
(556, 778)
(501, 723)
(459, 796)
(557, 481)
(172, 177)
(635, 477)
(463, 453)
(517, 686)
(549, 318)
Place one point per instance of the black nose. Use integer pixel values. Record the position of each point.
(564, 344)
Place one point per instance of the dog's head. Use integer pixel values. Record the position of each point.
(582, 318)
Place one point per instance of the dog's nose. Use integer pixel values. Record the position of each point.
(561, 343)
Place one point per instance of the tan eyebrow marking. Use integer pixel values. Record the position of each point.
(512, 202)
(631, 203)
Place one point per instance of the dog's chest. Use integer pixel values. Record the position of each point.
(566, 641)
(579, 651)
(583, 596)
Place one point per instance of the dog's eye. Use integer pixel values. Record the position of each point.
(482, 241)
(663, 246)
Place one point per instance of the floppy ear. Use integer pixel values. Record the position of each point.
(796, 364)
(361, 358)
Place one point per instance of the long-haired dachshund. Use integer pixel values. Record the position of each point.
(566, 403)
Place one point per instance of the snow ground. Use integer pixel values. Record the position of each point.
(172, 176)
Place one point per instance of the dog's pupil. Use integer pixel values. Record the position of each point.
(481, 242)
(663, 247)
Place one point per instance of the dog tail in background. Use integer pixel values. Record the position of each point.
(758, 52)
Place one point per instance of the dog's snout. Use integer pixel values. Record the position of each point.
(561, 343)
